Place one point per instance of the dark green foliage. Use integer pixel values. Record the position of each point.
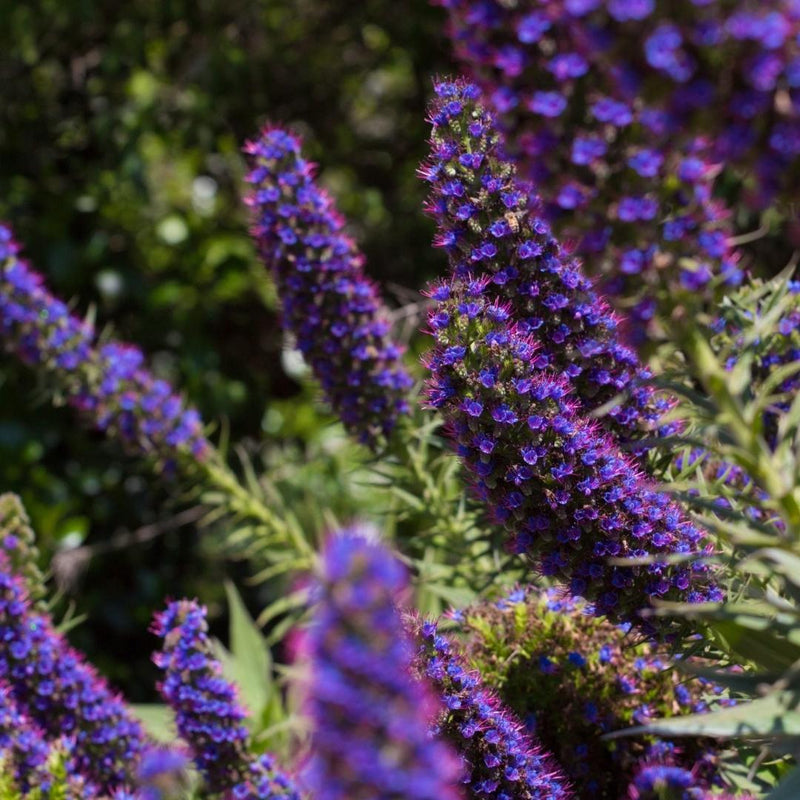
(120, 129)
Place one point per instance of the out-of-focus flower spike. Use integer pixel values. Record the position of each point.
(207, 712)
(371, 717)
(107, 382)
(499, 759)
(161, 774)
(59, 692)
(492, 227)
(624, 152)
(567, 495)
(333, 310)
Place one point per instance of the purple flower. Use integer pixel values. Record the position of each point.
(161, 773)
(61, 694)
(329, 305)
(371, 718)
(26, 753)
(661, 780)
(605, 102)
(568, 497)
(208, 715)
(499, 759)
(108, 383)
(546, 292)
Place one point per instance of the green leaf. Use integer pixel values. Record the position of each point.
(740, 682)
(158, 721)
(760, 646)
(773, 715)
(249, 663)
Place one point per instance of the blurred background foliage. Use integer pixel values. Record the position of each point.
(120, 168)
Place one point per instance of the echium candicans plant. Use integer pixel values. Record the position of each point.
(333, 310)
(490, 224)
(371, 718)
(54, 687)
(208, 714)
(573, 677)
(499, 758)
(569, 499)
(105, 381)
(615, 171)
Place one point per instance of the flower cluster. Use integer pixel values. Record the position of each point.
(33, 761)
(628, 174)
(567, 496)
(491, 225)
(499, 759)
(332, 309)
(61, 694)
(208, 715)
(107, 382)
(371, 718)
(263, 780)
(574, 677)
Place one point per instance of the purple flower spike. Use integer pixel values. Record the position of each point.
(59, 692)
(569, 498)
(329, 305)
(371, 736)
(161, 773)
(499, 759)
(496, 232)
(107, 382)
(626, 169)
(207, 713)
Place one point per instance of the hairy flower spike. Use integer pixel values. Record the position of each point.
(499, 759)
(569, 498)
(59, 692)
(207, 713)
(493, 229)
(371, 737)
(329, 305)
(605, 113)
(106, 381)
(574, 677)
